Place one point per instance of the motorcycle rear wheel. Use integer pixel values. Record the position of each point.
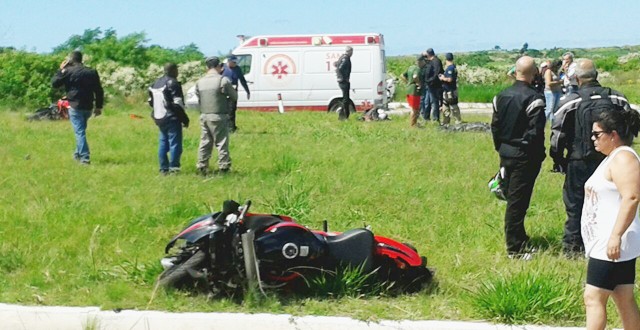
(178, 274)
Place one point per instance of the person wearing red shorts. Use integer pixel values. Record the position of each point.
(415, 85)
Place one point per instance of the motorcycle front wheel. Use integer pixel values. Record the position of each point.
(178, 275)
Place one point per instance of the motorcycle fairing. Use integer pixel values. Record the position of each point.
(396, 250)
(196, 230)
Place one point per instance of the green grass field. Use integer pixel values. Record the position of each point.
(74, 235)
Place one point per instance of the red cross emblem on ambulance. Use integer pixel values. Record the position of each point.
(279, 67)
(279, 70)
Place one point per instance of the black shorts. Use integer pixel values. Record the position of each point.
(607, 274)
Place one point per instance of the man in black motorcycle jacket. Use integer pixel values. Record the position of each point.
(83, 87)
(343, 73)
(517, 127)
(167, 100)
(571, 132)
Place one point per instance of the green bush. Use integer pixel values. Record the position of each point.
(480, 59)
(25, 78)
(608, 64)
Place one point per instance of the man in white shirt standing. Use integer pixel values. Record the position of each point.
(569, 69)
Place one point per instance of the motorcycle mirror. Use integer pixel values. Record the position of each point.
(228, 207)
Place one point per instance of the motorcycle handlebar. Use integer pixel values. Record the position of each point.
(245, 209)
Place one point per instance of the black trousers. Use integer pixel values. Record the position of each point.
(521, 175)
(346, 101)
(578, 172)
(233, 107)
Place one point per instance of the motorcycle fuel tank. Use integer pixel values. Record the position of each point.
(289, 245)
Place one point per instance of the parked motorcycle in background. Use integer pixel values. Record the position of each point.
(233, 249)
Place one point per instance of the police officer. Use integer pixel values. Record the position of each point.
(517, 127)
(571, 131)
(214, 94)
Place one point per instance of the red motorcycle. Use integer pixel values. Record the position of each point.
(232, 248)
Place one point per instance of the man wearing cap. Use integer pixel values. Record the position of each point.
(434, 86)
(215, 92)
(83, 87)
(343, 72)
(414, 88)
(234, 73)
(450, 91)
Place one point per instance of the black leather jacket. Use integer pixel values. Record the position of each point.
(434, 68)
(343, 69)
(82, 85)
(571, 129)
(518, 122)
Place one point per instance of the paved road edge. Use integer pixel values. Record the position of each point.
(16, 317)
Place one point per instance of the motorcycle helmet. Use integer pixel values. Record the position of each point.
(497, 185)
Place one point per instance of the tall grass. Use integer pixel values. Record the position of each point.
(425, 187)
(530, 296)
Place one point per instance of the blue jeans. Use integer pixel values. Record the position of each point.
(424, 104)
(78, 119)
(551, 99)
(170, 141)
(434, 100)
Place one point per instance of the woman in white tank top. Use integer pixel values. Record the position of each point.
(610, 223)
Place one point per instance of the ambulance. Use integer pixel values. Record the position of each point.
(300, 70)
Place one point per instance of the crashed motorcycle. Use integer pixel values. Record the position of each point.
(233, 249)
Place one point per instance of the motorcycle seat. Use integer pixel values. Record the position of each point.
(353, 248)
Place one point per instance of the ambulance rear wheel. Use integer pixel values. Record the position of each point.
(337, 104)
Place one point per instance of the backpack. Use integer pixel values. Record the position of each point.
(159, 112)
(591, 106)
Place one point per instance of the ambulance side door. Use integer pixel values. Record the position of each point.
(248, 63)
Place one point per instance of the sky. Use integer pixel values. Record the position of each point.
(409, 27)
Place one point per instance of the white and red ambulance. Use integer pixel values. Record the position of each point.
(301, 69)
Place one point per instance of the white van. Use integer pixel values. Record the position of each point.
(301, 68)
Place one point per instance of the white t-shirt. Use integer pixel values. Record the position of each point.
(570, 75)
(600, 212)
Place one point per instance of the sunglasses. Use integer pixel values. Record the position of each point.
(597, 134)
